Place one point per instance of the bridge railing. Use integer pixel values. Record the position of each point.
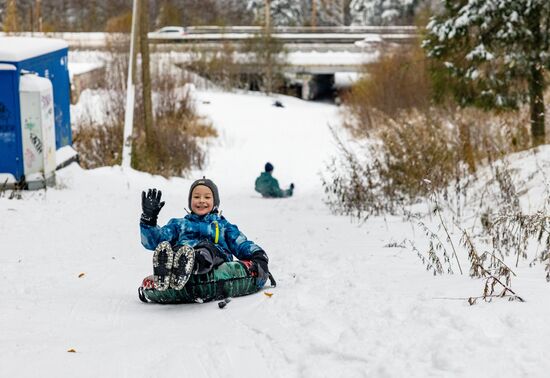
(213, 34)
(306, 29)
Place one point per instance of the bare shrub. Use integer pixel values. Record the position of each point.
(416, 152)
(220, 66)
(178, 147)
(496, 274)
(397, 81)
(119, 24)
(269, 55)
(488, 265)
(491, 135)
(11, 191)
(178, 132)
(353, 187)
(257, 65)
(441, 146)
(99, 144)
(386, 174)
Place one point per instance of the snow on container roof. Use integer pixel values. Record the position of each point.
(15, 49)
(7, 67)
(34, 83)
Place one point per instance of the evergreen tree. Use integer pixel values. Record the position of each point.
(299, 12)
(283, 12)
(494, 54)
(337, 12)
(383, 12)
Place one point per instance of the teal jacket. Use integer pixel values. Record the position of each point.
(268, 186)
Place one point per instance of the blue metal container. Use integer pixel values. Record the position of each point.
(48, 58)
(11, 152)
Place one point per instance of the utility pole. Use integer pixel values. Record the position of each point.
(130, 92)
(346, 4)
(146, 75)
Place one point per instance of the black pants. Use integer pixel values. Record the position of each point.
(207, 257)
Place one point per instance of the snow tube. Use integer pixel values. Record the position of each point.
(230, 279)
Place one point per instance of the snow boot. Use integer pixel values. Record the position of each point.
(163, 260)
(184, 261)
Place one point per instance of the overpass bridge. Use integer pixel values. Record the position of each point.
(293, 37)
(338, 38)
(315, 55)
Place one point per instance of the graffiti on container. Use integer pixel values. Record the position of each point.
(36, 142)
(29, 157)
(58, 116)
(46, 100)
(4, 113)
(29, 125)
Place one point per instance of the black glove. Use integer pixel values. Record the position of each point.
(291, 186)
(259, 267)
(150, 205)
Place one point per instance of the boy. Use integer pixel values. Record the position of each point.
(198, 242)
(268, 186)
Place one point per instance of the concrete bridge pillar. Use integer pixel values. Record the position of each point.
(315, 86)
(307, 87)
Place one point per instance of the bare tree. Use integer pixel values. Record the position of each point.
(11, 20)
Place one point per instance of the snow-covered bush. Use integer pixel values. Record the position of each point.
(384, 175)
(178, 132)
(397, 81)
(494, 54)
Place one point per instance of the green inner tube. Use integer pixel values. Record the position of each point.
(230, 279)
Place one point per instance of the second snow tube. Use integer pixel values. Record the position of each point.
(230, 279)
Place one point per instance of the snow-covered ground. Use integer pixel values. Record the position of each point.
(346, 304)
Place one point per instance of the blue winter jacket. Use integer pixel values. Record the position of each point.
(193, 229)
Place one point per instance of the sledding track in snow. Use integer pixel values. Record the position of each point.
(345, 305)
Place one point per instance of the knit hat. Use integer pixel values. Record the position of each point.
(268, 167)
(210, 185)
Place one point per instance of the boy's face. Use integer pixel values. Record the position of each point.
(202, 200)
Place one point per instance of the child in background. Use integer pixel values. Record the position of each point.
(198, 242)
(268, 186)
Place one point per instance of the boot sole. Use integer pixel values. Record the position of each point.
(184, 260)
(163, 260)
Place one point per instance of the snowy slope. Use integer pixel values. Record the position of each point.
(345, 305)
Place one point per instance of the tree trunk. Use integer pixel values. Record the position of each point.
(146, 75)
(347, 12)
(536, 104)
(467, 149)
(38, 7)
(11, 21)
(536, 78)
